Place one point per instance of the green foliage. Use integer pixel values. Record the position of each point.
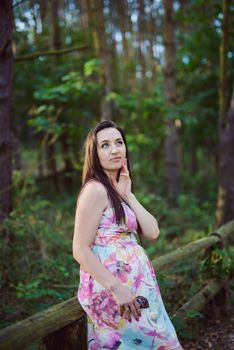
(61, 96)
(40, 268)
(219, 264)
(91, 66)
(182, 328)
(55, 114)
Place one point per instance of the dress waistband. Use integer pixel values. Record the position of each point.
(126, 238)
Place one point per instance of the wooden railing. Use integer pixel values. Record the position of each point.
(63, 326)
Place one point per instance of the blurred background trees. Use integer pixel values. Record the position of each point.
(162, 70)
(152, 66)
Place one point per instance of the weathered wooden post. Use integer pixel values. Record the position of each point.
(71, 337)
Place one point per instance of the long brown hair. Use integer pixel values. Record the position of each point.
(92, 170)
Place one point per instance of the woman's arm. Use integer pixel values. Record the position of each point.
(90, 207)
(148, 223)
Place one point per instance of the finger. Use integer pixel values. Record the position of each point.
(121, 310)
(124, 163)
(123, 174)
(134, 311)
(127, 314)
(137, 306)
(125, 168)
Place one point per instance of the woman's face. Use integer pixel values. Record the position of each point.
(111, 150)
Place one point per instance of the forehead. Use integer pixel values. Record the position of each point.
(109, 134)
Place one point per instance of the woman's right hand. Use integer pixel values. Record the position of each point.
(127, 302)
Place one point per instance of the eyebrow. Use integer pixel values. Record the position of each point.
(119, 138)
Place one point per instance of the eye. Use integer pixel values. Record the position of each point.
(120, 142)
(105, 145)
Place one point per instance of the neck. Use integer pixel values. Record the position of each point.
(111, 173)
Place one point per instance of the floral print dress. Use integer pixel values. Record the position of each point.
(117, 249)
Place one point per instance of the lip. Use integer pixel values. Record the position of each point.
(116, 158)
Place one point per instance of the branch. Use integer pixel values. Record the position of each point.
(51, 53)
(19, 2)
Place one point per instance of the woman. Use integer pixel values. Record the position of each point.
(118, 288)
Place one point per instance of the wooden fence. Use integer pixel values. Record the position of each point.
(63, 326)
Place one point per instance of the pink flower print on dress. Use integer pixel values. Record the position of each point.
(137, 281)
(110, 262)
(131, 221)
(123, 269)
(104, 309)
(151, 268)
(153, 334)
(113, 341)
(86, 286)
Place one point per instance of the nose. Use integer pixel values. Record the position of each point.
(114, 149)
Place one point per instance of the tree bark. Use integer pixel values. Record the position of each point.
(141, 31)
(121, 10)
(223, 64)
(191, 249)
(51, 160)
(50, 147)
(198, 301)
(225, 201)
(83, 6)
(152, 36)
(43, 5)
(51, 53)
(97, 24)
(67, 181)
(56, 43)
(171, 140)
(6, 57)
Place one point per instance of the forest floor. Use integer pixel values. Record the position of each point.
(216, 329)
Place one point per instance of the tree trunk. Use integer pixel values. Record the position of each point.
(42, 4)
(194, 162)
(225, 201)
(16, 156)
(141, 31)
(67, 181)
(50, 148)
(83, 6)
(41, 172)
(97, 24)
(6, 56)
(121, 10)
(171, 140)
(152, 36)
(123, 60)
(51, 161)
(56, 44)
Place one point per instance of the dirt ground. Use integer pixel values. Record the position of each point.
(215, 330)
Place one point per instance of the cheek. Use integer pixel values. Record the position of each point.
(102, 157)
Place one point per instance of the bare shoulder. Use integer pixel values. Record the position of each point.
(93, 192)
